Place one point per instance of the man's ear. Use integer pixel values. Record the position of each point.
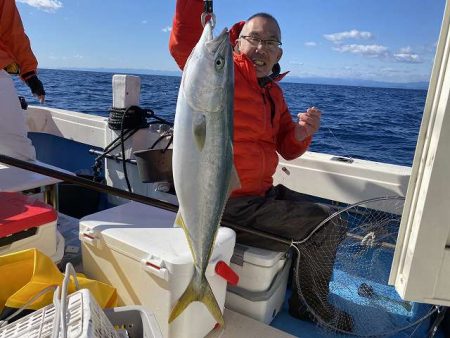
(236, 47)
(280, 54)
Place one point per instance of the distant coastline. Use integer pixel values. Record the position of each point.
(293, 79)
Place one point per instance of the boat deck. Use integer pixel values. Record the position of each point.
(237, 325)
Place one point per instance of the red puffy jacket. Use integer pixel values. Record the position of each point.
(14, 44)
(263, 125)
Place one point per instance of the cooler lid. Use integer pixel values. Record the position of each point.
(146, 233)
(19, 212)
(267, 258)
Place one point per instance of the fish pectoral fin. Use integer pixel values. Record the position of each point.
(199, 130)
(205, 295)
(235, 182)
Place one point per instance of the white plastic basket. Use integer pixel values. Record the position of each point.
(85, 319)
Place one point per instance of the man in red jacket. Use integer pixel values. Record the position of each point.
(16, 57)
(263, 127)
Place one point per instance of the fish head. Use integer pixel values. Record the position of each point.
(209, 75)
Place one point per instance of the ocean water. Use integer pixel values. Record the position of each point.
(377, 124)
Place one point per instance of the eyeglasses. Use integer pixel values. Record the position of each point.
(254, 41)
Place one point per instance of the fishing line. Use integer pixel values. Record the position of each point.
(339, 144)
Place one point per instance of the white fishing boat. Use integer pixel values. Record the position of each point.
(69, 141)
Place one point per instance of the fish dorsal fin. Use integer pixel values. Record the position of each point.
(199, 129)
(235, 182)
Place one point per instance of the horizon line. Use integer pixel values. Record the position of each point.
(417, 85)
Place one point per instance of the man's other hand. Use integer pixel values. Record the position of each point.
(308, 123)
(36, 86)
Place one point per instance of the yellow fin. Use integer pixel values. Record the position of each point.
(190, 295)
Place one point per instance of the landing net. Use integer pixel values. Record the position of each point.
(358, 299)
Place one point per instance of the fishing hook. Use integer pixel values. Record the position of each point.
(208, 13)
(212, 19)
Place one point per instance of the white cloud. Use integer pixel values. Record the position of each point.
(406, 55)
(45, 5)
(366, 50)
(406, 50)
(353, 34)
(167, 29)
(296, 63)
(310, 44)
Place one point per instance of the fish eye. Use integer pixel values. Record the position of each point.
(220, 62)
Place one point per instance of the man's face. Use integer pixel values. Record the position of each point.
(264, 54)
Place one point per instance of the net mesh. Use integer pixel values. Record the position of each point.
(342, 271)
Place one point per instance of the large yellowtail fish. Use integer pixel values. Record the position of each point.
(203, 157)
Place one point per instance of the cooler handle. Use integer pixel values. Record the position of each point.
(226, 272)
(155, 267)
(89, 237)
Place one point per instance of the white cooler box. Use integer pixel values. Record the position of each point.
(135, 248)
(25, 223)
(263, 277)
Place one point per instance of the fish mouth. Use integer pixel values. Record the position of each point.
(223, 34)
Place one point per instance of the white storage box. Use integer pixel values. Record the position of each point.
(25, 223)
(263, 276)
(134, 322)
(85, 319)
(135, 248)
(256, 267)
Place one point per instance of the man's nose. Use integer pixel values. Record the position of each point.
(261, 47)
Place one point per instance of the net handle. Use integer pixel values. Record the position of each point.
(375, 199)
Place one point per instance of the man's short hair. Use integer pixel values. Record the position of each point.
(266, 16)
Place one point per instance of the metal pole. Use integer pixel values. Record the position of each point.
(121, 193)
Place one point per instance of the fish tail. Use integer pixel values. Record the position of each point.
(211, 302)
(204, 295)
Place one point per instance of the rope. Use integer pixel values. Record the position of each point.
(130, 118)
(128, 121)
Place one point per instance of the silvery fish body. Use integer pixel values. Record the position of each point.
(203, 156)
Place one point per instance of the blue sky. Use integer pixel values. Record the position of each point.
(382, 40)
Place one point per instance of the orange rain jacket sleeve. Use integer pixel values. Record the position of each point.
(14, 43)
(263, 125)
